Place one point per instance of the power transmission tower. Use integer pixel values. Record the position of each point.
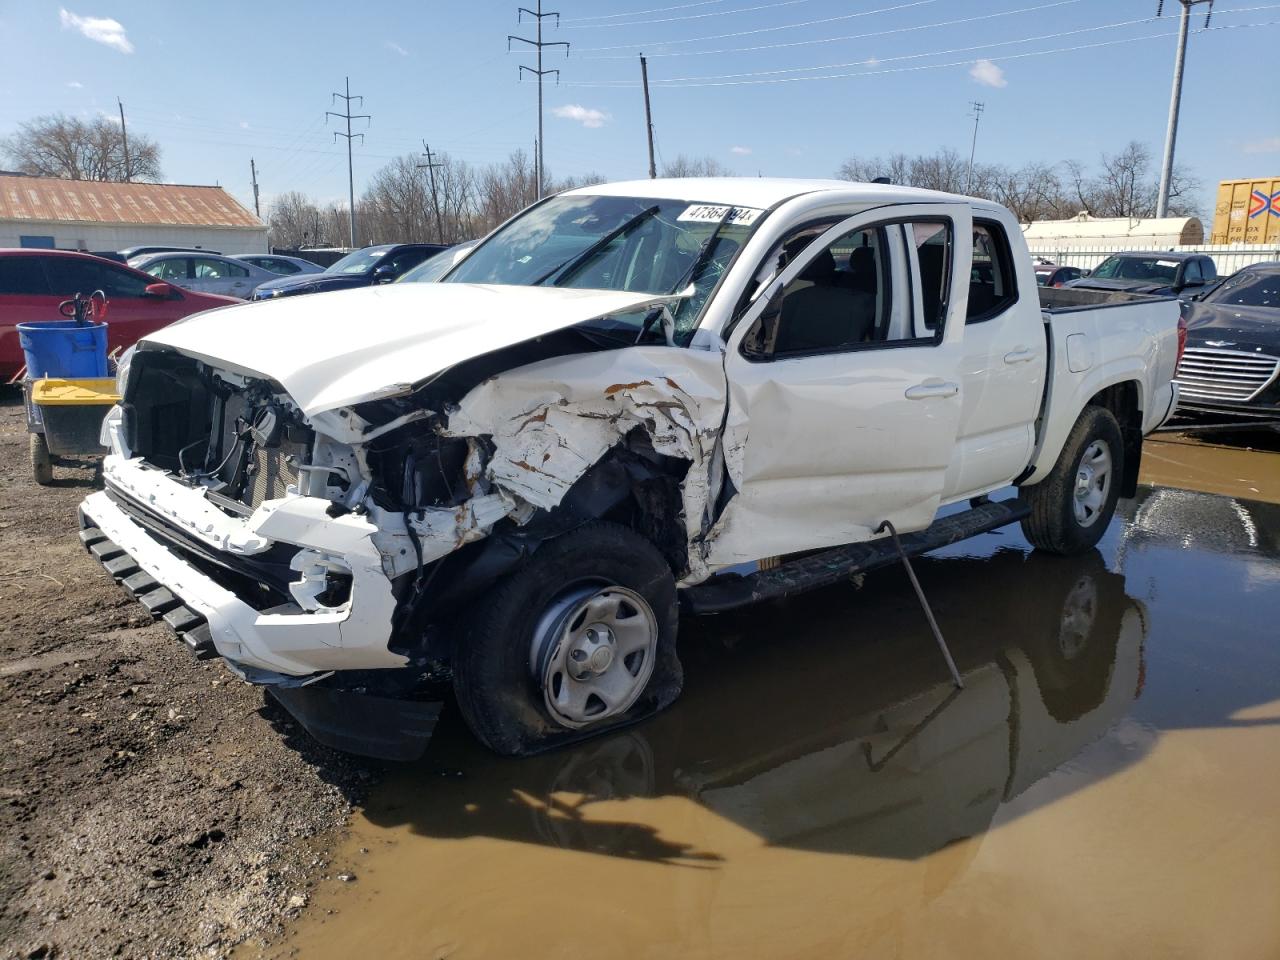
(1175, 101)
(430, 167)
(348, 116)
(976, 113)
(648, 117)
(253, 172)
(538, 44)
(124, 134)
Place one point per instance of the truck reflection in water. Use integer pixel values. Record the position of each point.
(829, 723)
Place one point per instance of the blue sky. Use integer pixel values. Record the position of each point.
(216, 84)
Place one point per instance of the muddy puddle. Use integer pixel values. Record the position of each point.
(1103, 786)
(1245, 465)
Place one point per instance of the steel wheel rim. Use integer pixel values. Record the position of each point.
(593, 653)
(1079, 611)
(1092, 483)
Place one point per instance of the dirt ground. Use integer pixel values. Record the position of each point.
(150, 805)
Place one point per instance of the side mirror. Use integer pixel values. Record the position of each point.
(384, 273)
(160, 290)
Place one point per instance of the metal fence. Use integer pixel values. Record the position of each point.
(1227, 257)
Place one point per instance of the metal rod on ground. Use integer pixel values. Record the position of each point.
(124, 135)
(924, 604)
(1175, 102)
(648, 116)
(349, 116)
(538, 43)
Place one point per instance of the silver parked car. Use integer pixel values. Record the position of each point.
(204, 272)
(279, 264)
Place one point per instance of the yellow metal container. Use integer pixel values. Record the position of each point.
(54, 392)
(1247, 211)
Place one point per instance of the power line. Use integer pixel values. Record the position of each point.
(538, 44)
(694, 16)
(933, 66)
(349, 116)
(748, 33)
(852, 36)
(637, 13)
(875, 61)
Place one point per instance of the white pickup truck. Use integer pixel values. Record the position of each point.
(630, 398)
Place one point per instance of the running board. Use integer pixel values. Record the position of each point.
(730, 591)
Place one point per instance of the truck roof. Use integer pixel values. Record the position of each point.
(764, 192)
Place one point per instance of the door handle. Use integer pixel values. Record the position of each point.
(1021, 355)
(932, 388)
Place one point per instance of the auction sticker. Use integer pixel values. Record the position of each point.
(711, 213)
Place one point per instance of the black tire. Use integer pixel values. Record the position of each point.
(41, 461)
(1052, 525)
(492, 677)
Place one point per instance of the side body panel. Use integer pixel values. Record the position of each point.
(1092, 349)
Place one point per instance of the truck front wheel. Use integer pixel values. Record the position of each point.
(579, 640)
(1072, 507)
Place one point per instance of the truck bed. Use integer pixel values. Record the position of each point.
(1065, 299)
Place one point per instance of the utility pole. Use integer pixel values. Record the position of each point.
(348, 116)
(430, 167)
(648, 117)
(973, 149)
(253, 172)
(1175, 101)
(124, 134)
(538, 44)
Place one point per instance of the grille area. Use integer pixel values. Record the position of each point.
(1227, 376)
(273, 470)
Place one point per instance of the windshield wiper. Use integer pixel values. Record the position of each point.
(578, 260)
(704, 254)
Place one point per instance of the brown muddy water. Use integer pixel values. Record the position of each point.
(1105, 785)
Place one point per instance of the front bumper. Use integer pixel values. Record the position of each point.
(280, 644)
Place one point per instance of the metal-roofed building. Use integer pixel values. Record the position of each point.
(95, 215)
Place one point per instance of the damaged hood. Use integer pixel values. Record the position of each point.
(337, 349)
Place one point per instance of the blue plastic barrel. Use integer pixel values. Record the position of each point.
(64, 348)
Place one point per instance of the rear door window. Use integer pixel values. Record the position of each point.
(75, 275)
(23, 276)
(991, 283)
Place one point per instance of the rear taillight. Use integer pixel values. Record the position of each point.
(1182, 340)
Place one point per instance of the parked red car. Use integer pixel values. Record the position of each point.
(34, 282)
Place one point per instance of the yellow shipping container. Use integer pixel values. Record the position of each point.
(1248, 211)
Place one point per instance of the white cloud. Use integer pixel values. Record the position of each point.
(741, 151)
(988, 74)
(871, 62)
(586, 116)
(795, 152)
(244, 124)
(396, 48)
(1267, 145)
(102, 30)
(75, 84)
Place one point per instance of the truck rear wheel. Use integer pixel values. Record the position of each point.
(1072, 507)
(579, 640)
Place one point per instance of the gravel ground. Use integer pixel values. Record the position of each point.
(150, 805)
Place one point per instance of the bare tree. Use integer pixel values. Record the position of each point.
(683, 166)
(896, 167)
(73, 149)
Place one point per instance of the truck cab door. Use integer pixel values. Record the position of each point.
(844, 385)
